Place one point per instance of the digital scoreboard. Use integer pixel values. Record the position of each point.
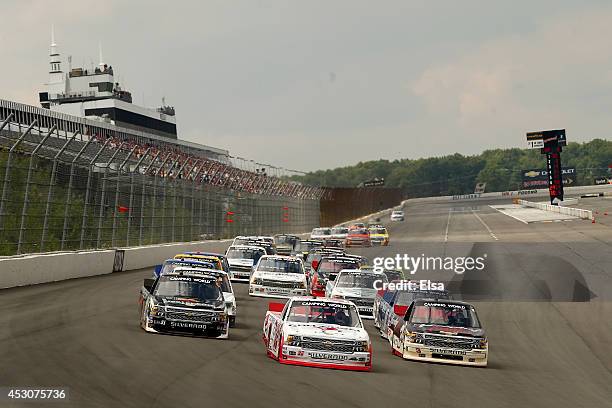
(550, 143)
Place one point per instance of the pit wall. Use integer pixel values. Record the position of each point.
(58, 266)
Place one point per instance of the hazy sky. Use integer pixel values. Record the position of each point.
(320, 84)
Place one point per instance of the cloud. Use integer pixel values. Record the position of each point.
(543, 78)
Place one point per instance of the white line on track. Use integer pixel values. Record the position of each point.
(485, 225)
(447, 225)
(508, 214)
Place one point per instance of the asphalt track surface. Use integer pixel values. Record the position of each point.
(544, 298)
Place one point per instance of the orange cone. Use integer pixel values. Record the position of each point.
(593, 220)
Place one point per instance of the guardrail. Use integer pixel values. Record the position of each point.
(576, 212)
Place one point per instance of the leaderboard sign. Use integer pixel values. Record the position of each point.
(538, 178)
(550, 143)
(536, 140)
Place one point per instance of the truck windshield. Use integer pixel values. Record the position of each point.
(327, 267)
(202, 289)
(171, 266)
(324, 312)
(279, 265)
(358, 280)
(305, 246)
(245, 253)
(285, 240)
(445, 314)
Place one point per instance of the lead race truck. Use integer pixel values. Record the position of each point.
(321, 332)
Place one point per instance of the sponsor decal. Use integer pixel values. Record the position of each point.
(466, 196)
(327, 356)
(542, 178)
(430, 304)
(321, 304)
(520, 192)
(192, 279)
(355, 273)
(188, 325)
(448, 351)
(278, 290)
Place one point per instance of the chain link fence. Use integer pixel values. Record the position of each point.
(62, 190)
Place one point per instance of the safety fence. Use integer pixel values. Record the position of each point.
(64, 188)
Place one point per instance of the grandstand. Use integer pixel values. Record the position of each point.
(89, 142)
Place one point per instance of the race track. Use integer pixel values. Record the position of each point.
(545, 298)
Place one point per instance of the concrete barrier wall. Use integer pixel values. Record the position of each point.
(146, 256)
(43, 268)
(576, 212)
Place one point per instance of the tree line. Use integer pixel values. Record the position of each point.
(458, 174)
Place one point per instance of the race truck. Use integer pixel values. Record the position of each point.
(209, 268)
(386, 300)
(285, 243)
(326, 333)
(358, 236)
(261, 241)
(303, 247)
(397, 215)
(441, 331)
(358, 286)
(321, 233)
(334, 243)
(241, 260)
(378, 235)
(213, 255)
(184, 302)
(339, 233)
(278, 276)
(268, 247)
(327, 268)
(316, 254)
(200, 257)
